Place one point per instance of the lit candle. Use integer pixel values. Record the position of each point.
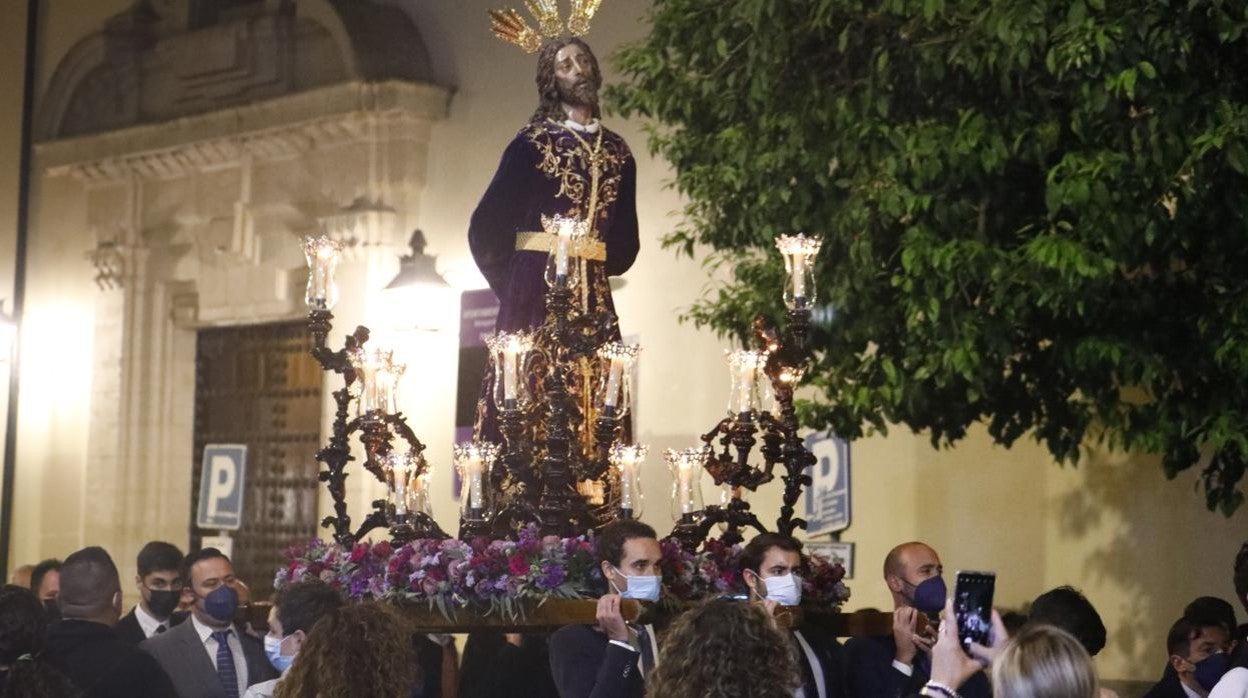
(619, 359)
(798, 251)
(567, 231)
(743, 365)
(628, 460)
(686, 466)
(474, 460)
(509, 349)
(379, 376)
(322, 255)
(400, 489)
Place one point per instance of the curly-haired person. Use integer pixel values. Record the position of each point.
(701, 655)
(360, 650)
(23, 669)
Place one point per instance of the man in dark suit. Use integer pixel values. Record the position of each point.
(159, 591)
(206, 656)
(83, 646)
(611, 659)
(771, 565)
(897, 665)
(1190, 643)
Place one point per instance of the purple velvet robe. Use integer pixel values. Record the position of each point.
(546, 170)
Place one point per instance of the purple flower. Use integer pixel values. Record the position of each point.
(552, 576)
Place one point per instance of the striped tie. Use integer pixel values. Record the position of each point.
(225, 664)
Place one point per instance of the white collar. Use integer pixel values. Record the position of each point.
(147, 622)
(204, 631)
(591, 127)
(1190, 693)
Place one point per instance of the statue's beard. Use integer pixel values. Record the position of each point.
(579, 94)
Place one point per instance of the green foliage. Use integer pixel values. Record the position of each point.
(1034, 211)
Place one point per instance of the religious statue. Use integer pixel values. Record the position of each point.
(562, 163)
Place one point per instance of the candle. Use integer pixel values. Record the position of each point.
(567, 230)
(509, 350)
(628, 460)
(799, 251)
(799, 278)
(474, 461)
(744, 365)
(322, 255)
(617, 361)
(379, 376)
(686, 466)
(400, 491)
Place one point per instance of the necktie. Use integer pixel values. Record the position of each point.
(161, 628)
(647, 652)
(225, 664)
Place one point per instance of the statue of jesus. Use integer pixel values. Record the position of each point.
(563, 162)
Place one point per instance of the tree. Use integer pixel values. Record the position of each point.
(1034, 211)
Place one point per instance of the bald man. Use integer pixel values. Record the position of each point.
(83, 646)
(890, 666)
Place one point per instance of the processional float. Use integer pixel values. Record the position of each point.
(561, 464)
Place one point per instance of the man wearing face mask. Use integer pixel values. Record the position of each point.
(1198, 657)
(83, 646)
(295, 610)
(899, 664)
(611, 659)
(207, 656)
(771, 566)
(159, 590)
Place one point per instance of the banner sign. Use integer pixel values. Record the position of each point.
(828, 497)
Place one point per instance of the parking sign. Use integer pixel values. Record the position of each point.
(221, 487)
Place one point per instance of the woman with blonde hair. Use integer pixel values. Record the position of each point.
(1041, 661)
(1044, 661)
(361, 650)
(702, 655)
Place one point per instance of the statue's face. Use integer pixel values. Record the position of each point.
(575, 76)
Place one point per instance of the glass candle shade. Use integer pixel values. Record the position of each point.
(746, 368)
(509, 351)
(799, 256)
(474, 461)
(379, 377)
(322, 254)
(628, 460)
(686, 467)
(409, 483)
(615, 382)
(788, 377)
(561, 267)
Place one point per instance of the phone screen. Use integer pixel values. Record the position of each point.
(972, 606)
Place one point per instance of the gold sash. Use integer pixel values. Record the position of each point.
(595, 250)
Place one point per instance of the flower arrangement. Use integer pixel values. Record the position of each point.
(502, 576)
(716, 569)
(497, 576)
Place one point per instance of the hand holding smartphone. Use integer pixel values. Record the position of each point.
(972, 607)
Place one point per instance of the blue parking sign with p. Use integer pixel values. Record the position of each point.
(221, 487)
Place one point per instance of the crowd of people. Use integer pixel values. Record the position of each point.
(63, 633)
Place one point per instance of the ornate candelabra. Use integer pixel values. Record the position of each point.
(560, 429)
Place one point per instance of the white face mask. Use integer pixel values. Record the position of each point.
(785, 590)
(640, 587)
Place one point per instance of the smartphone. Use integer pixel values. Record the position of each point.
(972, 607)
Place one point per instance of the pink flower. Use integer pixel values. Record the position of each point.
(517, 565)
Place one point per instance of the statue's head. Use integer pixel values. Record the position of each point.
(567, 73)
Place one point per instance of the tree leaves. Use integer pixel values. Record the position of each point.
(1035, 213)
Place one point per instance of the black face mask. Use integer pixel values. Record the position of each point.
(52, 610)
(162, 602)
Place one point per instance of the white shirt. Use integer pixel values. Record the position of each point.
(236, 649)
(147, 622)
(264, 689)
(1233, 685)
